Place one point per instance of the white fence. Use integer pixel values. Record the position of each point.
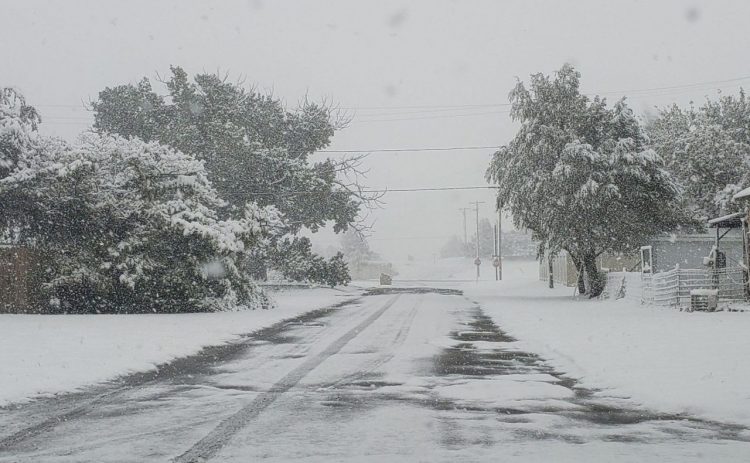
(624, 285)
(563, 270)
(672, 288)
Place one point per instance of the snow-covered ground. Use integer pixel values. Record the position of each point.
(664, 359)
(46, 354)
(455, 268)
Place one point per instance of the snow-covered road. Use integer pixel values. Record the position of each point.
(398, 375)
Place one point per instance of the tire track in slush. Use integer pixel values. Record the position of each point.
(368, 367)
(207, 447)
(188, 365)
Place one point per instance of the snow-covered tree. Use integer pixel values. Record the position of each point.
(355, 249)
(580, 175)
(298, 262)
(455, 247)
(707, 149)
(126, 226)
(18, 122)
(486, 240)
(518, 244)
(254, 149)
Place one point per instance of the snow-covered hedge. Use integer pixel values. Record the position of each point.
(122, 225)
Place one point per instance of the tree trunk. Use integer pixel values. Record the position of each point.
(579, 274)
(593, 278)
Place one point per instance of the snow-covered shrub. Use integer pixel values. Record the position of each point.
(296, 261)
(18, 121)
(126, 226)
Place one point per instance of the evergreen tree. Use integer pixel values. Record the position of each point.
(486, 240)
(356, 251)
(580, 174)
(255, 151)
(455, 247)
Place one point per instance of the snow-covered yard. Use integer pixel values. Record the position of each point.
(46, 354)
(667, 360)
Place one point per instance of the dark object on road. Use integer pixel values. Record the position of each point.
(385, 279)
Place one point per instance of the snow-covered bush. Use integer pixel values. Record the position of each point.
(295, 260)
(126, 226)
(18, 121)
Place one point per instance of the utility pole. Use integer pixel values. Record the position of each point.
(466, 236)
(477, 261)
(500, 241)
(496, 251)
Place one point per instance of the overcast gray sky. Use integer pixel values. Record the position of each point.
(401, 67)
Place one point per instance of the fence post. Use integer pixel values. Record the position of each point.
(551, 273)
(679, 283)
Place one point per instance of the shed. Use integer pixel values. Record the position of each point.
(724, 225)
(689, 250)
(564, 270)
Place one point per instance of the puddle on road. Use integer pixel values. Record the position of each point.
(584, 409)
(412, 290)
(485, 357)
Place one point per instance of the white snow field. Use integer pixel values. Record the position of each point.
(666, 360)
(47, 354)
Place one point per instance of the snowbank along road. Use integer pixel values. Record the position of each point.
(401, 374)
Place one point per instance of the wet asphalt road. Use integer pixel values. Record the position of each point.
(397, 375)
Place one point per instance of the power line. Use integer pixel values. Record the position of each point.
(74, 118)
(674, 87)
(401, 238)
(406, 190)
(639, 93)
(82, 120)
(491, 105)
(669, 91)
(442, 116)
(401, 150)
(634, 93)
(76, 123)
(461, 106)
(77, 106)
(380, 191)
(483, 105)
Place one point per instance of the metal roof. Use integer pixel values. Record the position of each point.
(703, 237)
(727, 221)
(742, 194)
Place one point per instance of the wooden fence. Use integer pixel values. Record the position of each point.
(18, 283)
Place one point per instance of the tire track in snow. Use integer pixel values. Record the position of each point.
(368, 367)
(207, 447)
(85, 403)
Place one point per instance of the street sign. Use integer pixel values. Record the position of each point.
(496, 262)
(477, 261)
